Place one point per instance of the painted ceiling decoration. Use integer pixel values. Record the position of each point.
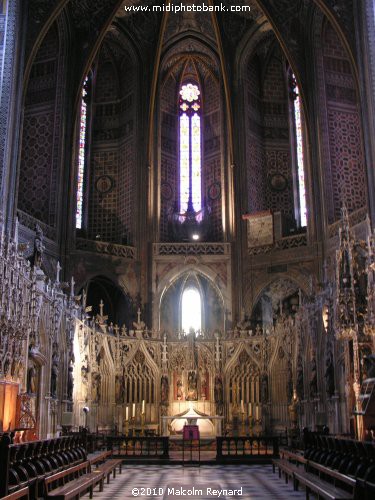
(88, 19)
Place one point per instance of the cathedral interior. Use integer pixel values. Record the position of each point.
(187, 218)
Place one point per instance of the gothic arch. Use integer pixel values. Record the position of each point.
(251, 297)
(340, 123)
(172, 278)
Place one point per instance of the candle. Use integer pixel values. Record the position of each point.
(143, 407)
(242, 408)
(250, 410)
(127, 413)
(257, 412)
(133, 414)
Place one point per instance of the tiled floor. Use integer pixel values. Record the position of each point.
(177, 482)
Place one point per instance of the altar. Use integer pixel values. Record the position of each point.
(209, 425)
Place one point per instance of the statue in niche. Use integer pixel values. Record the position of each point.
(70, 382)
(369, 365)
(7, 364)
(95, 394)
(179, 390)
(119, 394)
(299, 383)
(345, 274)
(218, 390)
(192, 392)
(84, 371)
(54, 372)
(264, 388)
(204, 385)
(164, 389)
(290, 381)
(36, 259)
(360, 283)
(330, 375)
(293, 411)
(31, 387)
(313, 379)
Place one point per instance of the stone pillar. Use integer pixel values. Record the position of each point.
(11, 71)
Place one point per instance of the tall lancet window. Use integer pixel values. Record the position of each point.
(81, 154)
(191, 310)
(190, 148)
(297, 115)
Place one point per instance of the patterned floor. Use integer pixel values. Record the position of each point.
(151, 482)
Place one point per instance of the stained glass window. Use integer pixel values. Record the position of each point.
(190, 147)
(191, 310)
(300, 155)
(81, 155)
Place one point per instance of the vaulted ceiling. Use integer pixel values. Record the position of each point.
(86, 22)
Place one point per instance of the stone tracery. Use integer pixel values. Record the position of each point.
(285, 327)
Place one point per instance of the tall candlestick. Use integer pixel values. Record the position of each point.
(257, 412)
(250, 410)
(242, 407)
(143, 407)
(133, 413)
(127, 413)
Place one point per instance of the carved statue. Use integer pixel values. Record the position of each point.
(370, 365)
(264, 388)
(7, 363)
(330, 375)
(119, 393)
(290, 381)
(31, 378)
(345, 274)
(95, 394)
(204, 386)
(54, 372)
(218, 390)
(36, 259)
(299, 383)
(293, 412)
(313, 379)
(192, 393)
(164, 389)
(360, 283)
(70, 382)
(84, 374)
(179, 389)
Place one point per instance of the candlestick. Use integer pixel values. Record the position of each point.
(126, 413)
(242, 407)
(243, 424)
(133, 412)
(250, 410)
(257, 412)
(250, 425)
(143, 407)
(143, 424)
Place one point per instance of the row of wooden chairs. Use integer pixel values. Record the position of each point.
(348, 456)
(70, 483)
(318, 479)
(28, 464)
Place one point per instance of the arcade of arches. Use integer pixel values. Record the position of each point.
(187, 213)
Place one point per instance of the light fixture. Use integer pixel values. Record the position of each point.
(195, 236)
